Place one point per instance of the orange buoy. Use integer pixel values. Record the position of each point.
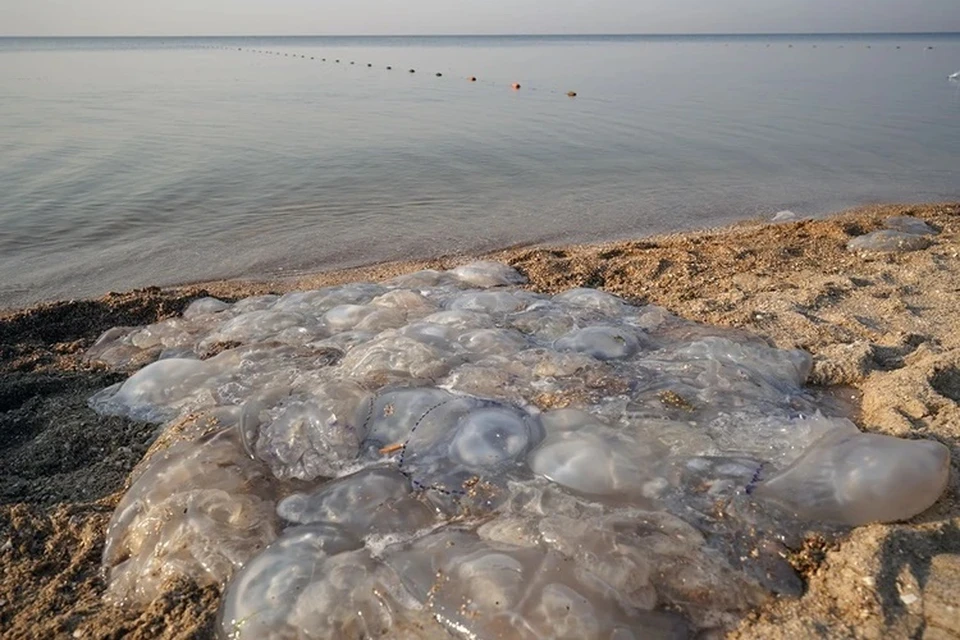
(515, 85)
(472, 78)
(572, 94)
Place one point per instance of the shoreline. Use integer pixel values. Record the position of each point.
(885, 324)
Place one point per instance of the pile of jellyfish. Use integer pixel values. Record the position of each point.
(448, 452)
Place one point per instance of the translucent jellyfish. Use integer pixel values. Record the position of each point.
(582, 454)
(170, 333)
(244, 371)
(316, 303)
(859, 478)
(488, 274)
(776, 439)
(348, 317)
(889, 240)
(464, 440)
(785, 369)
(203, 307)
(344, 341)
(377, 500)
(394, 414)
(307, 435)
(492, 302)
(605, 303)
(313, 582)
(460, 319)
(410, 302)
(394, 356)
(199, 510)
(545, 322)
(492, 342)
(255, 303)
(451, 451)
(114, 348)
(422, 279)
(482, 589)
(156, 392)
(254, 326)
(601, 342)
(722, 375)
(909, 224)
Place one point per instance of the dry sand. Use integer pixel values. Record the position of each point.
(886, 324)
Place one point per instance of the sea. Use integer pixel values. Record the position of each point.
(129, 162)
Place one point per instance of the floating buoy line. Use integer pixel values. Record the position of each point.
(514, 85)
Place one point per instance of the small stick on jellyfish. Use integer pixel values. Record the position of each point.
(392, 448)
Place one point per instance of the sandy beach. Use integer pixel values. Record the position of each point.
(882, 325)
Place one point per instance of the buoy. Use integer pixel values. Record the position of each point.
(413, 71)
(439, 75)
(572, 94)
(472, 78)
(337, 60)
(351, 62)
(515, 85)
(389, 68)
(369, 65)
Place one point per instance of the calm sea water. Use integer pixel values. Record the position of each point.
(130, 162)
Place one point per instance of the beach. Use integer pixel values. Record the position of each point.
(882, 328)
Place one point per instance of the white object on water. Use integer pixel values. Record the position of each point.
(954, 76)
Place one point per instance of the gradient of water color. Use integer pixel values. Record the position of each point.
(131, 162)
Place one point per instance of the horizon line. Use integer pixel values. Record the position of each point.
(499, 35)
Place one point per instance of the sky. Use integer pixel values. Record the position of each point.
(381, 17)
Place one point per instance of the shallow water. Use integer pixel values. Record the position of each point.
(129, 162)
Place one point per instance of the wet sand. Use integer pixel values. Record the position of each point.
(886, 324)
